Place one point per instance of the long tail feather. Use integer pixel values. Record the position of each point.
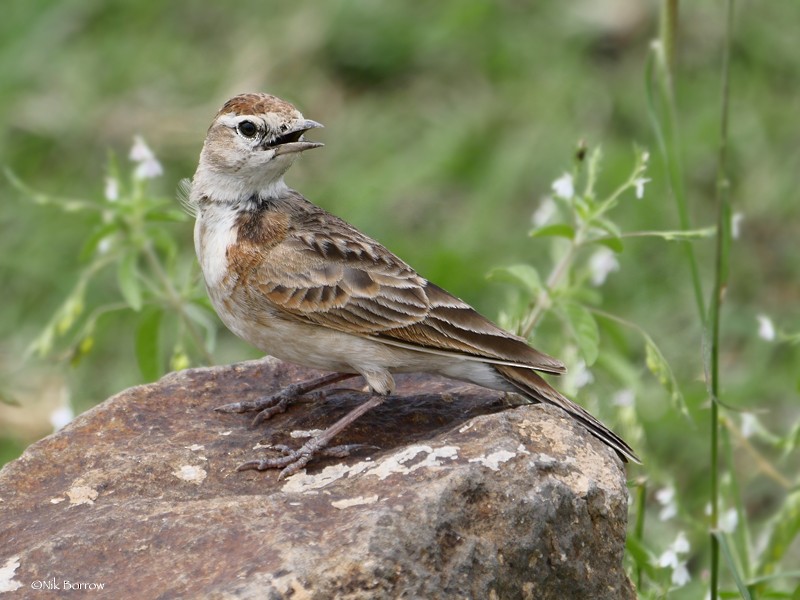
(530, 384)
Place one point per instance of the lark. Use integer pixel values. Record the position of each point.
(304, 286)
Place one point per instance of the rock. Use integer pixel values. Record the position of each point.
(459, 497)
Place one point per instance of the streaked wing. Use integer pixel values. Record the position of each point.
(334, 276)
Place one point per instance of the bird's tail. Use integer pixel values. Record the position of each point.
(530, 384)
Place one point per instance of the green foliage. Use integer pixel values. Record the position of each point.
(445, 122)
(572, 289)
(130, 237)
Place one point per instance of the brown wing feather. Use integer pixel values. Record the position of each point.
(326, 272)
(534, 387)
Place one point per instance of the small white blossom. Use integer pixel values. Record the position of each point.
(666, 498)
(61, 416)
(681, 544)
(668, 558)
(671, 558)
(680, 575)
(148, 165)
(112, 189)
(581, 375)
(668, 511)
(766, 330)
(601, 263)
(545, 212)
(624, 398)
(736, 225)
(645, 156)
(638, 185)
(728, 520)
(750, 424)
(563, 187)
(104, 245)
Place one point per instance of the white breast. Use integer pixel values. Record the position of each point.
(214, 231)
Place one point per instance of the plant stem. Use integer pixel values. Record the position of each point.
(555, 277)
(665, 125)
(720, 284)
(638, 530)
(668, 26)
(763, 464)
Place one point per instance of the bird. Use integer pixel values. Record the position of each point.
(307, 287)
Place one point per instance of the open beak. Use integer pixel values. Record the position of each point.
(291, 141)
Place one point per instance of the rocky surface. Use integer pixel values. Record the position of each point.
(459, 497)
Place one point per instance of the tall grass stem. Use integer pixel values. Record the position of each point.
(720, 284)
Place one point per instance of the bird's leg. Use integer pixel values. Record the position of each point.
(279, 401)
(294, 460)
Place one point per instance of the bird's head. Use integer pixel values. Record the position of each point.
(251, 143)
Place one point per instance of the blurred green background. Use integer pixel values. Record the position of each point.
(446, 123)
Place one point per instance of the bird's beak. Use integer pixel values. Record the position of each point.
(290, 141)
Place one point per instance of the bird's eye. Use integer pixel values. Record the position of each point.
(247, 128)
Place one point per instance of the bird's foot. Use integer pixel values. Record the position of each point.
(269, 406)
(294, 460)
(291, 460)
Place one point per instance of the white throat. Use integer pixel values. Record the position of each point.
(233, 189)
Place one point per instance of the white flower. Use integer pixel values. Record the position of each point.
(61, 416)
(581, 375)
(148, 165)
(104, 246)
(666, 498)
(563, 187)
(728, 520)
(680, 575)
(638, 185)
(766, 330)
(545, 212)
(601, 263)
(681, 544)
(750, 424)
(736, 222)
(112, 189)
(645, 156)
(668, 558)
(624, 398)
(671, 558)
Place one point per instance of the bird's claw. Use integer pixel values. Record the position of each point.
(292, 460)
(276, 403)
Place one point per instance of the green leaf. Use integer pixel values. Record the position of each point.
(612, 243)
(785, 526)
(148, 349)
(641, 556)
(179, 360)
(524, 276)
(71, 310)
(8, 399)
(608, 226)
(202, 314)
(585, 329)
(557, 230)
(726, 552)
(659, 367)
(81, 349)
(128, 280)
(95, 238)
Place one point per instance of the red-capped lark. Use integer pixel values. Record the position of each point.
(305, 286)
